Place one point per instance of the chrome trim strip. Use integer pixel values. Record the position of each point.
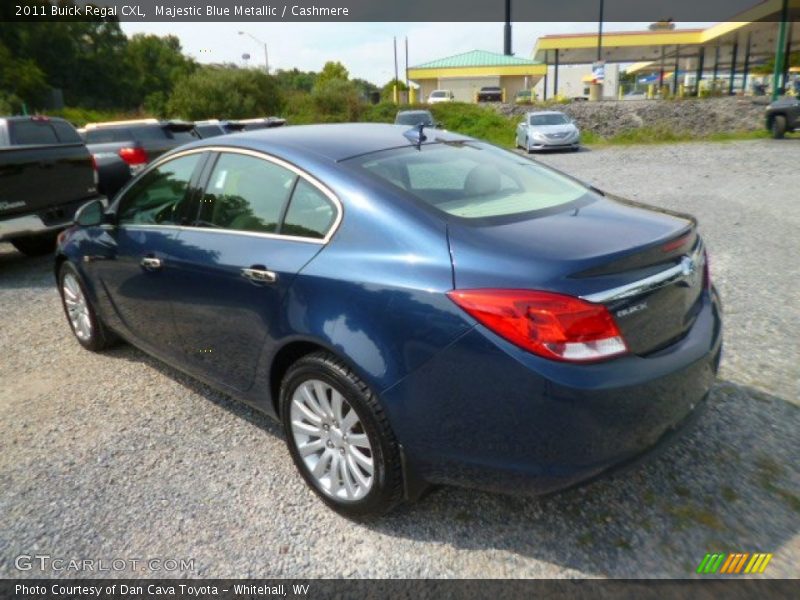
(269, 158)
(689, 264)
(278, 236)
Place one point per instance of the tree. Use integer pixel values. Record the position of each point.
(224, 93)
(333, 70)
(295, 80)
(337, 99)
(153, 64)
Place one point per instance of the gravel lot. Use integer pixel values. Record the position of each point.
(118, 456)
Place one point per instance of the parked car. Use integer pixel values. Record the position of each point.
(415, 117)
(261, 123)
(783, 115)
(523, 97)
(414, 311)
(46, 173)
(437, 96)
(123, 148)
(547, 130)
(490, 93)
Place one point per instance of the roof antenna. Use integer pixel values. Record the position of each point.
(415, 135)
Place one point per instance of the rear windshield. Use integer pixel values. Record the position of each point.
(39, 132)
(472, 180)
(414, 118)
(549, 119)
(208, 131)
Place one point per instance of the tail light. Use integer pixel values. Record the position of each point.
(551, 325)
(95, 170)
(135, 157)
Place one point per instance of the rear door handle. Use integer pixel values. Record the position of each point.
(259, 274)
(152, 264)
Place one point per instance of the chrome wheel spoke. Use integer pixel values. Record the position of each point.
(331, 441)
(362, 460)
(359, 440)
(77, 307)
(311, 447)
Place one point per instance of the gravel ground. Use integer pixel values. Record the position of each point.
(118, 456)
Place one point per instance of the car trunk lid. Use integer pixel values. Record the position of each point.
(645, 265)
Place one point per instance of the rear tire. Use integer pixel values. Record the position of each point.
(778, 127)
(87, 327)
(325, 408)
(36, 245)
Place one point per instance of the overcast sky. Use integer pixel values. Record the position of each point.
(364, 48)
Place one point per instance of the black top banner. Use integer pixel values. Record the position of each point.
(399, 11)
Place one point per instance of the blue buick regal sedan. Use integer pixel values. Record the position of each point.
(416, 307)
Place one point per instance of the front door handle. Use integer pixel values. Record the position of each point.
(152, 264)
(259, 274)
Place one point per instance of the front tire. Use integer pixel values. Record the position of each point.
(778, 128)
(88, 329)
(339, 437)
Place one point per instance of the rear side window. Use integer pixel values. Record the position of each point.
(208, 131)
(246, 193)
(28, 133)
(310, 213)
(183, 136)
(156, 198)
(153, 132)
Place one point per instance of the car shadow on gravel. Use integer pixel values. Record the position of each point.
(732, 484)
(20, 271)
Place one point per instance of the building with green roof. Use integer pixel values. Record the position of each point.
(464, 74)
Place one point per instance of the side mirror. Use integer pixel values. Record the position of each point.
(90, 214)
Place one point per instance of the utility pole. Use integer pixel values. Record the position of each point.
(600, 34)
(395, 70)
(507, 30)
(780, 49)
(266, 56)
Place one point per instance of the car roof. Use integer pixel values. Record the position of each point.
(413, 112)
(546, 112)
(334, 141)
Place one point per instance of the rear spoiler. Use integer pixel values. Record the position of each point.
(176, 125)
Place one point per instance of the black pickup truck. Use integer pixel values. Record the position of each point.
(783, 115)
(46, 173)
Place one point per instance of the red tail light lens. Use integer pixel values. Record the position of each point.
(133, 156)
(95, 170)
(551, 325)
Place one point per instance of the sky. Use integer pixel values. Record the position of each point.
(364, 48)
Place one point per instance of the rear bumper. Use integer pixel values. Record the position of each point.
(43, 221)
(486, 414)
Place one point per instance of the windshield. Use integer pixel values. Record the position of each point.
(414, 118)
(554, 119)
(472, 180)
(438, 94)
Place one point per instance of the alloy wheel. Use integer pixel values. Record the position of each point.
(77, 307)
(331, 441)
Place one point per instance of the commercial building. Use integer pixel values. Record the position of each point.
(464, 74)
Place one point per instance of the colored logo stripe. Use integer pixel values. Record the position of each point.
(734, 564)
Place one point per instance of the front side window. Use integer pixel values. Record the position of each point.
(246, 193)
(157, 197)
(472, 180)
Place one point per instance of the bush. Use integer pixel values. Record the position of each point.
(224, 93)
(336, 100)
